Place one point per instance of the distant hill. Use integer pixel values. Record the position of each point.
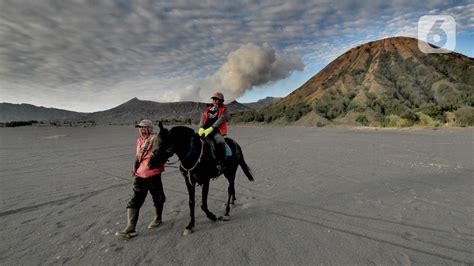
(128, 112)
(235, 107)
(262, 103)
(135, 109)
(385, 82)
(22, 112)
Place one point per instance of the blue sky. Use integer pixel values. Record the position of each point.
(94, 55)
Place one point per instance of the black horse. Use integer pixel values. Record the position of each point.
(198, 165)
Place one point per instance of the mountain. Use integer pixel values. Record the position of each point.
(262, 102)
(135, 110)
(235, 107)
(22, 112)
(380, 81)
(128, 112)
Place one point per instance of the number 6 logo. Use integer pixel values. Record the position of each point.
(436, 34)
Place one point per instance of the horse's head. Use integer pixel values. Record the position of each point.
(181, 138)
(165, 149)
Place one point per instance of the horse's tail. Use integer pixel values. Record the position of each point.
(243, 164)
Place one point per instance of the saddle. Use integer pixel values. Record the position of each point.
(212, 145)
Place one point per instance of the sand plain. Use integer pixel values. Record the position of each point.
(321, 196)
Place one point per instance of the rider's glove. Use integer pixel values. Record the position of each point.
(208, 131)
(201, 131)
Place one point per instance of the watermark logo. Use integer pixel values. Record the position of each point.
(436, 34)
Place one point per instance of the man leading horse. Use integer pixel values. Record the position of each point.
(147, 169)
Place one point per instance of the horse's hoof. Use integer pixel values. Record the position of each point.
(187, 232)
(213, 218)
(225, 218)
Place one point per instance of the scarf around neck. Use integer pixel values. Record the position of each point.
(146, 146)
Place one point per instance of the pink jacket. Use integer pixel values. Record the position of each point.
(143, 170)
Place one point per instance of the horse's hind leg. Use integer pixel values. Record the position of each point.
(205, 191)
(230, 195)
(233, 198)
(232, 190)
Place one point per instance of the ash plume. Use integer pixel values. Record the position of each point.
(250, 65)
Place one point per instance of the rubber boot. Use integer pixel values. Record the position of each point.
(129, 231)
(156, 217)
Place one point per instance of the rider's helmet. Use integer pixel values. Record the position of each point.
(218, 95)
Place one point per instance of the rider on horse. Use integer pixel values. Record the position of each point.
(213, 124)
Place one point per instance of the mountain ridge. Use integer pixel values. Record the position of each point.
(127, 112)
(369, 83)
(262, 102)
(25, 111)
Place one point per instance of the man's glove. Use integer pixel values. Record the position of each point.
(208, 131)
(201, 131)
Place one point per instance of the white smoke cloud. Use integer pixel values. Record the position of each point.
(189, 93)
(250, 65)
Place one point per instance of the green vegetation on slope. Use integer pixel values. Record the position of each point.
(383, 83)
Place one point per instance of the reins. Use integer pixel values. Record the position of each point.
(188, 171)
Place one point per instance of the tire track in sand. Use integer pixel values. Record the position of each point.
(447, 253)
(59, 201)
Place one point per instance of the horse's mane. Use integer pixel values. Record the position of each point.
(181, 132)
(183, 138)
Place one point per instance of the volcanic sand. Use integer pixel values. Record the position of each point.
(321, 195)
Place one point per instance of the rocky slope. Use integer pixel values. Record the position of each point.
(262, 102)
(22, 112)
(371, 82)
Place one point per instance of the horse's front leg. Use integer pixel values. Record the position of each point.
(191, 193)
(205, 191)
